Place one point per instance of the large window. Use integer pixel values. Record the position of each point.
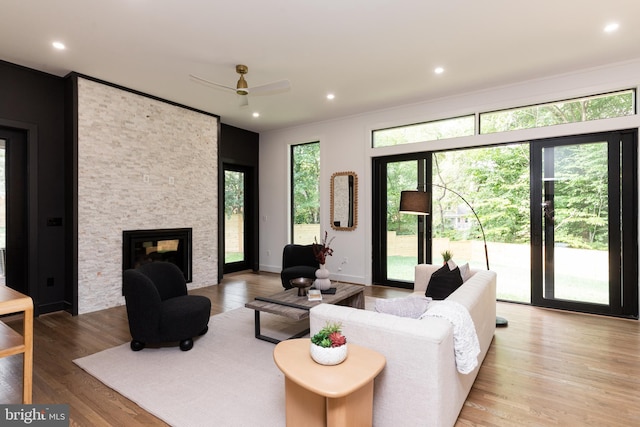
(429, 131)
(597, 107)
(305, 192)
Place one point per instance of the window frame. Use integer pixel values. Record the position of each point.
(292, 208)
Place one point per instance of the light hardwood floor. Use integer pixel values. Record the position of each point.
(547, 368)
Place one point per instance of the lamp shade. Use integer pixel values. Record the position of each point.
(414, 202)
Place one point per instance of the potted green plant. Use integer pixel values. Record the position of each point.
(328, 345)
(446, 256)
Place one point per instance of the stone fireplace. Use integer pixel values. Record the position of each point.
(143, 165)
(145, 246)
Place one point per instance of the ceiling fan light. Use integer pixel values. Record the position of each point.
(242, 86)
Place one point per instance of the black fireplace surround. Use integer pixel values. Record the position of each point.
(144, 246)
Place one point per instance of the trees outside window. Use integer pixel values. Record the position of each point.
(618, 104)
(495, 182)
(305, 192)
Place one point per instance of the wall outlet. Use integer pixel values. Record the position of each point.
(268, 253)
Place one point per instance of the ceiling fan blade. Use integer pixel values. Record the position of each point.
(211, 84)
(269, 88)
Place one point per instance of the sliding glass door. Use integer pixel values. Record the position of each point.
(399, 240)
(492, 182)
(583, 213)
(559, 215)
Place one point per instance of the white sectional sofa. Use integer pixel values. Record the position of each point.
(420, 385)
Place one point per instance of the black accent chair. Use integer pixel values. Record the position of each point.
(298, 261)
(159, 308)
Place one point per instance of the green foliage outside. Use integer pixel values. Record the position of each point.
(429, 131)
(618, 104)
(233, 193)
(571, 111)
(230, 257)
(581, 210)
(306, 183)
(496, 181)
(400, 176)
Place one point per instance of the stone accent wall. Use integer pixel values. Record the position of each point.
(142, 164)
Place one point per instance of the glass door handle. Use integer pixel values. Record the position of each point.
(547, 208)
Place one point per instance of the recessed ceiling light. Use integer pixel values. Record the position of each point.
(330, 96)
(59, 45)
(256, 114)
(439, 70)
(610, 28)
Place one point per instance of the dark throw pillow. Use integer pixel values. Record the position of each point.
(443, 282)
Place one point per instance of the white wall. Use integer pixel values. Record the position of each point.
(345, 145)
(123, 137)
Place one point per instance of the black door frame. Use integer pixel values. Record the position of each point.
(250, 229)
(626, 167)
(623, 230)
(22, 177)
(379, 215)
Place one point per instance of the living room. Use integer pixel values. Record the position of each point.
(345, 145)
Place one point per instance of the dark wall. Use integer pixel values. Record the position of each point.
(35, 102)
(239, 147)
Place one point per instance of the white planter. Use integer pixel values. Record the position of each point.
(328, 355)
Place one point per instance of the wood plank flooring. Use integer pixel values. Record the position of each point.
(547, 368)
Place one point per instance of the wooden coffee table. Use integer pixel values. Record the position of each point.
(289, 304)
(332, 396)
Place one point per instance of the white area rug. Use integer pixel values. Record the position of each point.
(228, 379)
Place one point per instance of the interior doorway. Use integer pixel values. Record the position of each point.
(14, 194)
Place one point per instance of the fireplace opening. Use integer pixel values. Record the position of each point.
(144, 246)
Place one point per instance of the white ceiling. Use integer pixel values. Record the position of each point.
(372, 54)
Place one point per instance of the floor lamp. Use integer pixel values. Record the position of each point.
(416, 202)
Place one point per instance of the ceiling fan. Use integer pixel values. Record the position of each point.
(243, 89)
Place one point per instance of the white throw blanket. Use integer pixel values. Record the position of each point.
(465, 338)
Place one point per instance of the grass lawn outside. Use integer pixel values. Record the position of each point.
(580, 274)
(230, 257)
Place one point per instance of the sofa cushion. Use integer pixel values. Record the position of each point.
(443, 282)
(412, 306)
(465, 272)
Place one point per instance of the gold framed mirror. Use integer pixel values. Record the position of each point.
(344, 201)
